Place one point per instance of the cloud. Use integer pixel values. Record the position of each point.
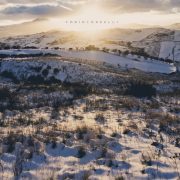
(140, 5)
(21, 9)
(130, 5)
(25, 1)
(34, 10)
(112, 5)
(28, 11)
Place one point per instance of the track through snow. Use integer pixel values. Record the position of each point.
(125, 62)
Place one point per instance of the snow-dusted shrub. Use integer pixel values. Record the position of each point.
(45, 72)
(114, 134)
(35, 79)
(103, 152)
(140, 90)
(86, 175)
(56, 71)
(177, 142)
(81, 131)
(100, 118)
(146, 160)
(10, 141)
(119, 178)
(126, 131)
(10, 75)
(79, 90)
(36, 69)
(54, 143)
(5, 93)
(169, 123)
(24, 121)
(81, 152)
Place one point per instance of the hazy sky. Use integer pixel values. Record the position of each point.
(129, 11)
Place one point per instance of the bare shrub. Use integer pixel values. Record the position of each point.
(81, 131)
(81, 152)
(146, 160)
(100, 118)
(5, 93)
(86, 175)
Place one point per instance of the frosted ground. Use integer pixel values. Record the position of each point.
(76, 114)
(65, 118)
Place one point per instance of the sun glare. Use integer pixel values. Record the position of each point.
(89, 19)
(92, 12)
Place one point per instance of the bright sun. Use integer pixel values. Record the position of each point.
(90, 18)
(92, 12)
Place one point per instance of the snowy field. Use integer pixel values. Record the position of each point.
(125, 62)
(170, 50)
(76, 115)
(85, 128)
(71, 114)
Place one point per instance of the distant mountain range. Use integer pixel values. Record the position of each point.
(163, 42)
(42, 25)
(32, 27)
(175, 26)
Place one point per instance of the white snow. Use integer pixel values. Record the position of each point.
(147, 66)
(166, 50)
(125, 62)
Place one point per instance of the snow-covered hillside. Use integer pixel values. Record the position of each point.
(62, 119)
(57, 69)
(157, 42)
(170, 50)
(127, 62)
(58, 38)
(89, 106)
